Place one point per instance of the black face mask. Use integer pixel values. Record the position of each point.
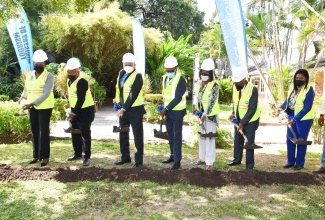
(39, 69)
(72, 78)
(239, 87)
(299, 82)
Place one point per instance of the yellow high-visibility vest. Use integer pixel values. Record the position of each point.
(72, 91)
(206, 96)
(127, 89)
(299, 105)
(36, 90)
(169, 93)
(243, 102)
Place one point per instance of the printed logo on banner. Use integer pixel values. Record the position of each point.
(21, 37)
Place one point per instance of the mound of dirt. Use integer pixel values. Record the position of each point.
(193, 176)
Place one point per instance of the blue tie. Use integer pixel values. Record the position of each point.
(123, 79)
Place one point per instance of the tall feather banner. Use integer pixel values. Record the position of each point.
(233, 29)
(21, 37)
(139, 46)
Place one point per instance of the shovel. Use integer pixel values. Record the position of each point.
(22, 112)
(205, 134)
(247, 146)
(160, 134)
(117, 129)
(297, 141)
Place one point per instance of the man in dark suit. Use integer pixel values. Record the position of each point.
(246, 111)
(129, 96)
(174, 88)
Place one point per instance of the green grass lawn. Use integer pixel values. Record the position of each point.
(147, 200)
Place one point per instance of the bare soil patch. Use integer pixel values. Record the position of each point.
(193, 176)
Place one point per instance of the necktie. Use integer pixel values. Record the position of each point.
(239, 94)
(123, 79)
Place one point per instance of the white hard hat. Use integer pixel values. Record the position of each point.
(170, 62)
(73, 63)
(207, 64)
(239, 74)
(128, 58)
(39, 56)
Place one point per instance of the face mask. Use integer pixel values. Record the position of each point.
(205, 78)
(128, 69)
(39, 69)
(239, 87)
(299, 82)
(170, 75)
(72, 78)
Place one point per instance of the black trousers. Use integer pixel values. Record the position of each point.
(40, 125)
(174, 126)
(249, 131)
(82, 142)
(133, 117)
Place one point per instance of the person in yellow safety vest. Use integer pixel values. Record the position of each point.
(174, 88)
(39, 93)
(82, 111)
(129, 96)
(208, 91)
(299, 107)
(246, 111)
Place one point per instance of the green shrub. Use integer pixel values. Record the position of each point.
(12, 88)
(12, 126)
(152, 113)
(18, 128)
(225, 92)
(58, 107)
(152, 98)
(4, 98)
(224, 139)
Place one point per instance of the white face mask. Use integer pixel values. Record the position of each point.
(205, 78)
(170, 75)
(128, 69)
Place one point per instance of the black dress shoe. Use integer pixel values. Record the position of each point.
(320, 170)
(232, 163)
(33, 161)
(169, 160)
(288, 166)
(297, 168)
(138, 165)
(176, 166)
(86, 162)
(121, 162)
(74, 157)
(44, 162)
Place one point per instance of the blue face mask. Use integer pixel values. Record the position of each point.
(170, 75)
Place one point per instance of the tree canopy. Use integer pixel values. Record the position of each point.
(178, 17)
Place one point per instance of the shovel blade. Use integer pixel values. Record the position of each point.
(251, 146)
(72, 130)
(209, 135)
(303, 142)
(117, 129)
(20, 114)
(160, 134)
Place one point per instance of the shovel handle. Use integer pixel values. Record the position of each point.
(242, 133)
(160, 122)
(293, 132)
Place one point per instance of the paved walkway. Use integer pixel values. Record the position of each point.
(271, 137)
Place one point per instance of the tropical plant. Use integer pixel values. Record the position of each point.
(225, 91)
(183, 52)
